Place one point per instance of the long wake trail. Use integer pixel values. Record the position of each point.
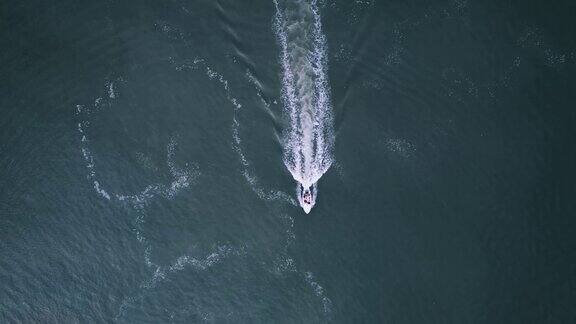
(308, 140)
(182, 178)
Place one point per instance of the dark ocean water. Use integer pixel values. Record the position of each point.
(142, 181)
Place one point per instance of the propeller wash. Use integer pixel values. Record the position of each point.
(308, 140)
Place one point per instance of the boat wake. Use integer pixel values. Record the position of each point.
(308, 140)
(182, 179)
(248, 173)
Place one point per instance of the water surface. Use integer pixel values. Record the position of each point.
(143, 177)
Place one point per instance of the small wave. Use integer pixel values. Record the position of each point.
(259, 93)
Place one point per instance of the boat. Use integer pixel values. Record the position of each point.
(307, 196)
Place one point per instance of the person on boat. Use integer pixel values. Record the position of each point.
(307, 197)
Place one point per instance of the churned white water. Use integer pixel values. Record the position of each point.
(308, 140)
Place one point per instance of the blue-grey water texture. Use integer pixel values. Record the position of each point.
(142, 176)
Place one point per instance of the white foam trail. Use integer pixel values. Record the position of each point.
(247, 170)
(246, 165)
(248, 173)
(87, 154)
(319, 291)
(309, 139)
(284, 263)
(111, 92)
(161, 272)
(182, 179)
(198, 264)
